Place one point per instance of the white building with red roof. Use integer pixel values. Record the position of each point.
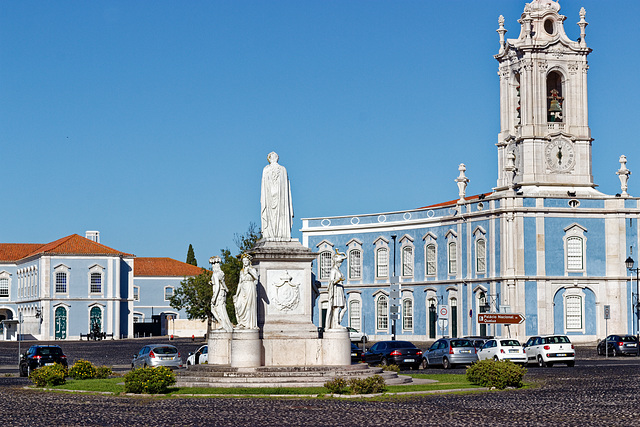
(63, 289)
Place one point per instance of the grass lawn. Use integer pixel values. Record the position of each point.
(116, 385)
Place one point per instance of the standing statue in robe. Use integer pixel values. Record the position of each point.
(337, 298)
(276, 211)
(246, 298)
(219, 299)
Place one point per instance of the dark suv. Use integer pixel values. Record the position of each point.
(41, 355)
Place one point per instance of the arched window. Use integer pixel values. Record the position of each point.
(354, 315)
(382, 262)
(453, 254)
(96, 319)
(168, 293)
(407, 261)
(325, 265)
(431, 260)
(407, 314)
(481, 255)
(355, 264)
(554, 97)
(573, 305)
(382, 313)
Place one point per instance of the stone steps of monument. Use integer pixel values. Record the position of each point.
(217, 376)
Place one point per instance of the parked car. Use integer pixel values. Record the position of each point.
(619, 344)
(478, 341)
(449, 352)
(401, 353)
(549, 349)
(503, 349)
(200, 356)
(41, 355)
(356, 353)
(357, 336)
(157, 355)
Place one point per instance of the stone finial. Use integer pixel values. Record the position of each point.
(623, 173)
(583, 24)
(501, 30)
(462, 182)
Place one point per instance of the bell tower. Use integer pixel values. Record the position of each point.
(544, 144)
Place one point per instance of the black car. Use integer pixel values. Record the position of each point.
(401, 353)
(619, 344)
(356, 353)
(41, 355)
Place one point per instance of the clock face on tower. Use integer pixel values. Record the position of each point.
(560, 155)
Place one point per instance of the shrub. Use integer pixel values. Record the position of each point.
(103, 372)
(393, 368)
(369, 385)
(149, 380)
(490, 373)
(82, 370)
(49, 375)
(373, 384)
(337, 385)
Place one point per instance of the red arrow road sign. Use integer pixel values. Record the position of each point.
(500, 318)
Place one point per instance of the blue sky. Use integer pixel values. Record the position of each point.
(151, 121)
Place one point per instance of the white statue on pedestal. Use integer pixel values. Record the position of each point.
(246, 298)
(275, 202)
(219, 299)
(337, 298)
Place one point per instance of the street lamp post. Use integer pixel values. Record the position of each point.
(629, 264)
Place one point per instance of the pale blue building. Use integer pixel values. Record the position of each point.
(543, 243)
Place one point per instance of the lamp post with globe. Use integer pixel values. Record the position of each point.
(629, 264)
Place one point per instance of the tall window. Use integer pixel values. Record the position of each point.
(407, 261)
(382, 313)
(407, 314)
(453, 266)
(61, 282)
(354, 315)
(431, 260)
(554, 97)
(481, 255)
(4, 287)
(574, 312)
(168, 293)
(574, 253)
(136, 293)
(325, 265)
(382, 262)
(96, 283)
(355, 264)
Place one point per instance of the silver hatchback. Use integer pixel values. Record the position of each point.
(451, 351)
(153, 355)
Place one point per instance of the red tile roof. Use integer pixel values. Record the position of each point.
(163, 267)
(16, 251)
(454, 202)
(70, 245)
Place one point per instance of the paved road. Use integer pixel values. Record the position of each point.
(594, 392)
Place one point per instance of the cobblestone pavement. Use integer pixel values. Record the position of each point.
(595, 392)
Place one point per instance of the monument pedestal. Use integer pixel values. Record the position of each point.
(285, 296)
(336, 347)
(246, 348)
(219, 343)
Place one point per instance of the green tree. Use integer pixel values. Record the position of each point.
(191, 256)
(194, 296)
(194, 293)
